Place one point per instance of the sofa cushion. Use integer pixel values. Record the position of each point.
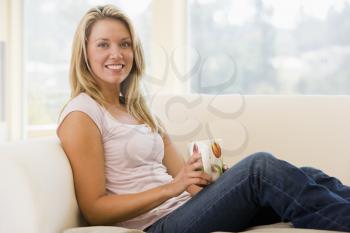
(280, 228)
(101, 229)
(16, 199)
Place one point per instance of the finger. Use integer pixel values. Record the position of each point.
(201, 175)
(199, 181)
(193, 159)
(225, 168)
(207, 177)
(196, 155)
(198, 165)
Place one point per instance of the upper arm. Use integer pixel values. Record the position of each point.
(172, 160)
(82, 143)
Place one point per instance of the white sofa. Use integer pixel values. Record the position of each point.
(36, 185)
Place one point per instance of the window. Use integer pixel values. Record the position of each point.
(49, 26)
(270, 46)
(246, 46)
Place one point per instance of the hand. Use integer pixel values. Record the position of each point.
(225, 168)
(190, 174)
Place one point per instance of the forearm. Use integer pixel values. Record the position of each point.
(110, 209)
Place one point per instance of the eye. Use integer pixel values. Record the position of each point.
(103, 45)
(125, 45)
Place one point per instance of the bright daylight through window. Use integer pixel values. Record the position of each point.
(270, 46)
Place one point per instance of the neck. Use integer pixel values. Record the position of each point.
(112, 96)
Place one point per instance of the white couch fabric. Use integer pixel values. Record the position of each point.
(37, 192)
(36, 185)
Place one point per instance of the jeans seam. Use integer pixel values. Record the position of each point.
(299, 204)
(210, 206)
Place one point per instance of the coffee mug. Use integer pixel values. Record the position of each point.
(211, 154)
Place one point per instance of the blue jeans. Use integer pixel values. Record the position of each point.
(262, 189)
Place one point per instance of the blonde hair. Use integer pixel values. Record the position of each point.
(82, 77)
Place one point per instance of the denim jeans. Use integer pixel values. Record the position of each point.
(262, 189)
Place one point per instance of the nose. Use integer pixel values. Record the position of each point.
(116, 52)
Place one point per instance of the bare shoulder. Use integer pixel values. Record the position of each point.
(78, 133)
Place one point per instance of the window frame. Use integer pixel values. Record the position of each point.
(11, 35)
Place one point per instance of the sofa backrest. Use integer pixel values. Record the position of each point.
(305, 130)
(36, 188)
(36, 185)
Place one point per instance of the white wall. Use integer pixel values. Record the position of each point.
(169, 31)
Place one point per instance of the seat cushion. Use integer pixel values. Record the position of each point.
(101, 229)
(281, 228)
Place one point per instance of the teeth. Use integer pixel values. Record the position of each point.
(115, 66)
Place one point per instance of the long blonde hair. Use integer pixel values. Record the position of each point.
(82, 77)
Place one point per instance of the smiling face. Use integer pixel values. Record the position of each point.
(109, 52)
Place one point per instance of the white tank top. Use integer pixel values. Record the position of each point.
(133, 159)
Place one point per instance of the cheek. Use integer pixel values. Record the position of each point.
(94, 57)
(96, 62)
(130, 55)
(131, 60)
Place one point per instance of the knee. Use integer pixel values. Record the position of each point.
(262, 156)
(311, 171)
(259, 165)
(260, 161)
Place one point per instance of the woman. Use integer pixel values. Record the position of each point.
(127, 171)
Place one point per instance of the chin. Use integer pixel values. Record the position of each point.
(110, 80)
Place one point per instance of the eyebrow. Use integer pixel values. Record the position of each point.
(105, 39)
